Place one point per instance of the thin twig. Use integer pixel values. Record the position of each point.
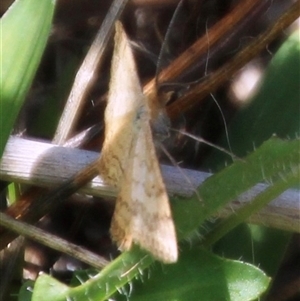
(86, 73)
(8, 259)
(52, 241)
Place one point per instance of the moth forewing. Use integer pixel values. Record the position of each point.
(142, 214)
(122, 104)
(153, 228)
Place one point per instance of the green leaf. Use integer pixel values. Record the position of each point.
(198, 274)
(258, 245)
(25, 292)
(100, 287)
(275, 158)
(274, 110)
(24, 32)
(53, 290)
(261, 200)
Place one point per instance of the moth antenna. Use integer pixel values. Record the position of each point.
(232, 155)
(224, 122)
(214, 99)
(208, 49)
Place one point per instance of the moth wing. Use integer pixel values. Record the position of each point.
(123, 102)
(128, 161)
(143, 213)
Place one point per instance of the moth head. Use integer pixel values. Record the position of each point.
(161, 126)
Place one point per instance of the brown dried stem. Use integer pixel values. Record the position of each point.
(191, 56)
(220, 76)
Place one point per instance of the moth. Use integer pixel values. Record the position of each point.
(128, 162)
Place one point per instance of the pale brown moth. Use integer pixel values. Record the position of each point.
(128, 161)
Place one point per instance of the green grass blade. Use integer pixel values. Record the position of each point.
(25, 29)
